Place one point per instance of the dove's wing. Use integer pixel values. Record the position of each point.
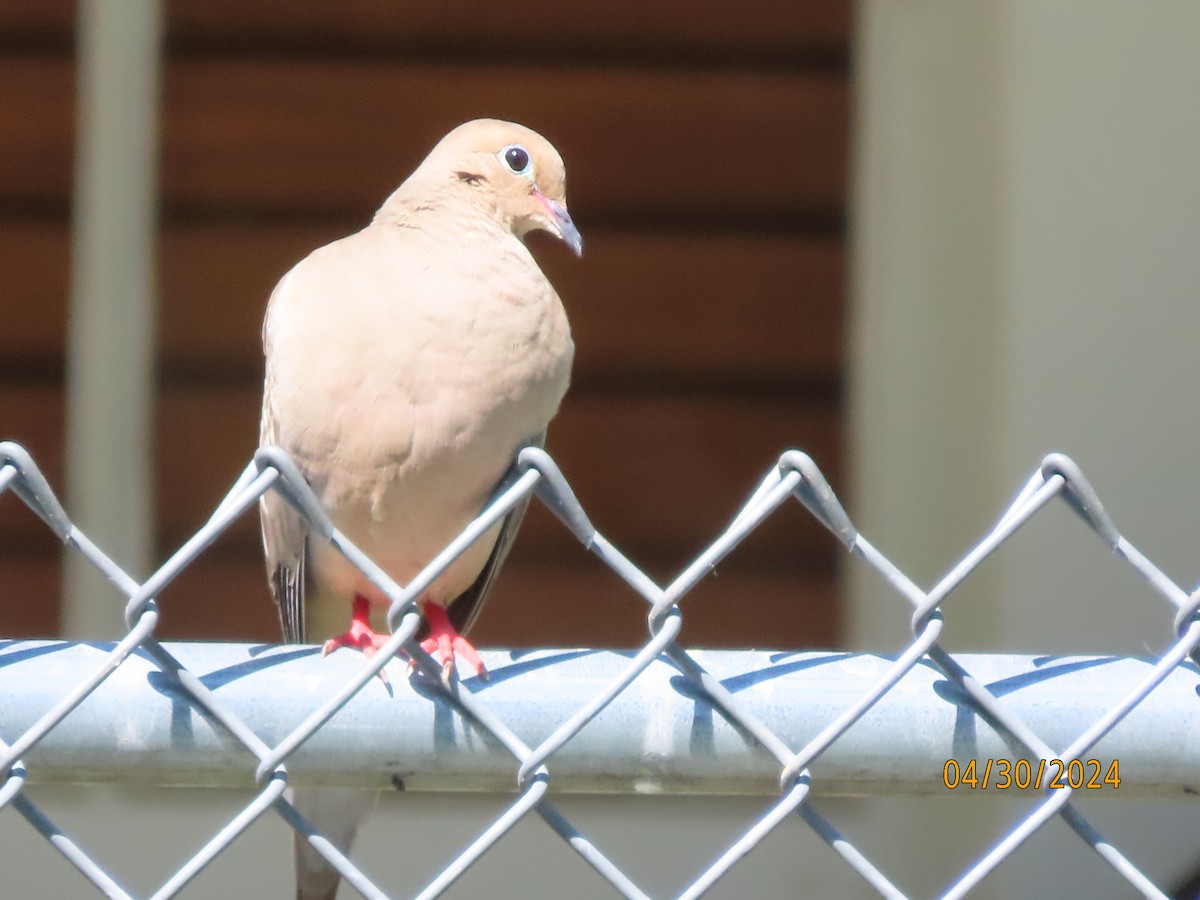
(465, 608)
(285, 546)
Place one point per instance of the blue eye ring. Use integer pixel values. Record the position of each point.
(517, 159)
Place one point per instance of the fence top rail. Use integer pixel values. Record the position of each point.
(659, 736)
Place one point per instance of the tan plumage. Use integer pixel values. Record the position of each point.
(406, 365)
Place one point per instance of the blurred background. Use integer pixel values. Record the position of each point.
(707, 157)
(926, 241)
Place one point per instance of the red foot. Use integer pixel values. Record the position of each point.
(359, 636)
(443, 641)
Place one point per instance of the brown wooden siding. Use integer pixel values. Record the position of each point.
(707, 167)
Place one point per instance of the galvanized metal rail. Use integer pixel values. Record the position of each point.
(658, 737)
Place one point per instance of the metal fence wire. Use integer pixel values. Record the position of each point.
(794, 749)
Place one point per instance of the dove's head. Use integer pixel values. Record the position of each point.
(508, 169)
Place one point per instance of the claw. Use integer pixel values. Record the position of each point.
(444, 642)
(359, 636)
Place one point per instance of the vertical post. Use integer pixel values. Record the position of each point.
(926, 345)
(112, 312)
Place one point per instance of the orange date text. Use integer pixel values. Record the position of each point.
(1055, 774)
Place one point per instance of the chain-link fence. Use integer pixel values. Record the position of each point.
(907, 726)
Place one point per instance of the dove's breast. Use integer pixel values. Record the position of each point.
(404, 375)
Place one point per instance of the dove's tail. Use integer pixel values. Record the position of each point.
(336, 813)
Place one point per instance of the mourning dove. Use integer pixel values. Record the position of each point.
(406, 365)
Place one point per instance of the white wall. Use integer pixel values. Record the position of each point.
(142, 836)
(1027, 278)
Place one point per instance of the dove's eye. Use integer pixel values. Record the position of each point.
(517, 159)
